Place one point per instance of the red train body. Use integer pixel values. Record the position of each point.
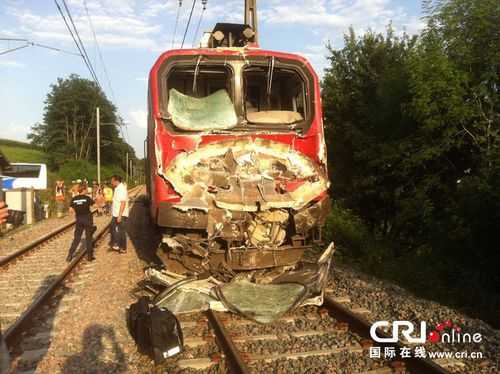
(236, 157)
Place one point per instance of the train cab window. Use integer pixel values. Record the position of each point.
(200, 98)
(209, 79)
(274, 95)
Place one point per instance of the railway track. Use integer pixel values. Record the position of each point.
(5, 260)
(331, 339)
(30, 276)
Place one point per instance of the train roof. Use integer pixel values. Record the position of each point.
(229, 51)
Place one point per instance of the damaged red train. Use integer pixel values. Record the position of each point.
(236, 156)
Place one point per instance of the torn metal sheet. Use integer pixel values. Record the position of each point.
(248, 175)
(254, 201)
(184, 294)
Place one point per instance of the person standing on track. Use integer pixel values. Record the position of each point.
(108, 197)
(59, 192)
(4, 212)
(80, 206)
(120, 212)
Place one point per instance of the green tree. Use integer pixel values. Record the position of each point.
(413, 133)
(68, 130)
(470, 32)
(364, 91)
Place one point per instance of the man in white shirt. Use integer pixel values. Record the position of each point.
(120, 214)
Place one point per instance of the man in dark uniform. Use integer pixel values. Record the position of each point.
(80, 205)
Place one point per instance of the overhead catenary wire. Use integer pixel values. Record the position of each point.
(105, 70)
(92, 73)
(81, 42)
(176, 23)
(188, 23)
(204, 3)
(120, 122)
(101, 58)
(29, 43)
(14, 49)
(54, 49)
(80, 46)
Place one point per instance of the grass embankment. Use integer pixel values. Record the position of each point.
(22, 152)
(434, 276)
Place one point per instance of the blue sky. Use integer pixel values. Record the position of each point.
(132, 33)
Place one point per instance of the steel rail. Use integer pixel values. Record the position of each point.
(35, 243)
(362, 327)
(14, 330)
(236, 363)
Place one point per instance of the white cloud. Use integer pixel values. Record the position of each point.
(116, 23)
(12, 64)
(139, 118)
(337, 15)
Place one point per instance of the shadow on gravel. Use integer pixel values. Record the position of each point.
(36, 342)
(143, 234)
(95, 340)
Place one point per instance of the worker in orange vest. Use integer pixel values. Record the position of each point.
(60, 198)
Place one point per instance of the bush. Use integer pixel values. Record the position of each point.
(79, 169)
(349, 233)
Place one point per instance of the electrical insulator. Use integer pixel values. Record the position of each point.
(204, 2)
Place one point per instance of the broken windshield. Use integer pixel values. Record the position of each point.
(274, 95)
(200, 98)
(213, 112)
(206, 94)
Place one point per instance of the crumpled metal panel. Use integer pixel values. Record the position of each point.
(244, 175)
(214, 112)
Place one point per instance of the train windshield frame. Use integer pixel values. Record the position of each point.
(266, 93)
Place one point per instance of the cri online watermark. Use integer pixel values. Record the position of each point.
(446, 332)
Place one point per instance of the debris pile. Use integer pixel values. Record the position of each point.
(262, 301)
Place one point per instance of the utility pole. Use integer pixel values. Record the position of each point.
(126, 178)
(132, 171)
(98, 126)
(251, 17)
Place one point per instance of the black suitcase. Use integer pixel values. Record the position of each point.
(166, 334)
(155, 330)
(138, 321)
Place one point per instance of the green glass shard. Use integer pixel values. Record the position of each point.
(214, 112)
(263, 303)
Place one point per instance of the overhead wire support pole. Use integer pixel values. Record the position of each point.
(189, 21)
(251, 17)
(98, 136)
(126, 173)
